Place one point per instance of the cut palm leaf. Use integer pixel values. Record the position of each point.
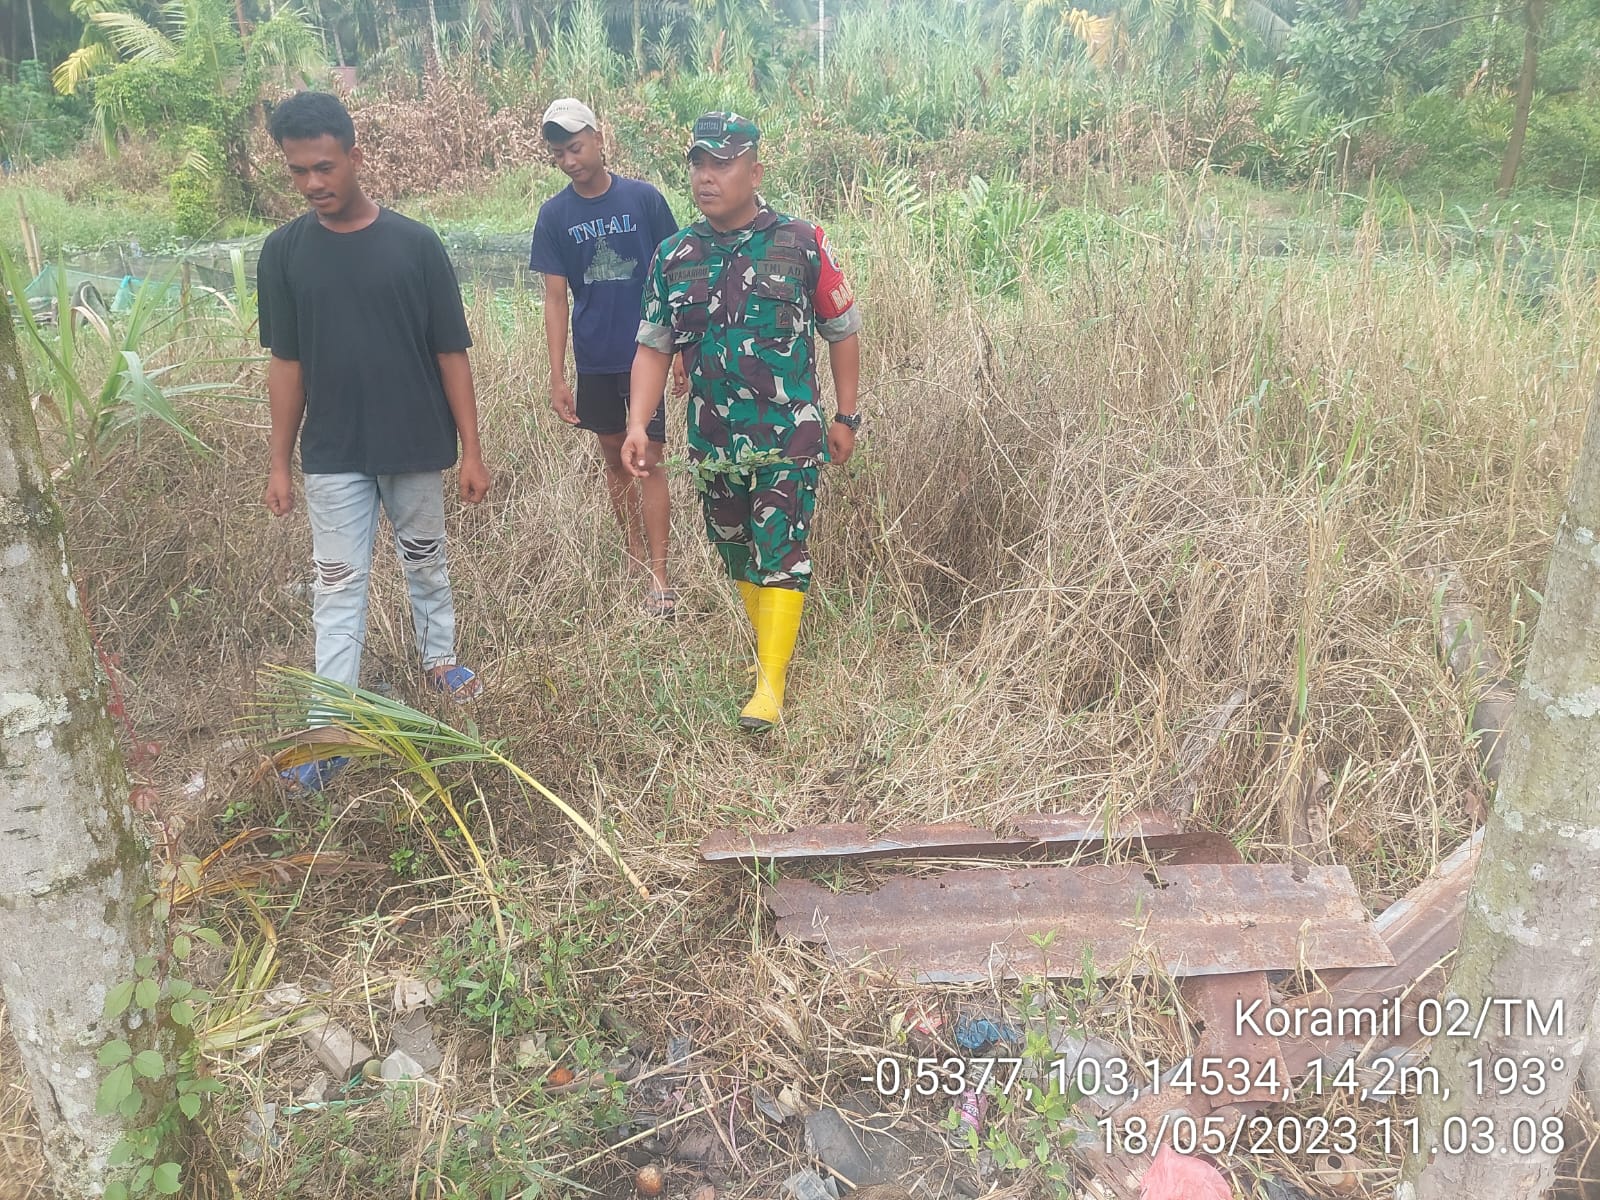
(390, 745)
(366, 725)
(219, 875)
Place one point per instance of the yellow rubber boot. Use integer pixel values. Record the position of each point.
(777, 625)
(750, 593)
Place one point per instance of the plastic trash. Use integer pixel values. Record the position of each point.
(974, 1032)
(970, 1114)
(400, 1065)
(260, 1133)
(1276, 1188)
(779, 1108)
(1174, 1176)
(413, 1034)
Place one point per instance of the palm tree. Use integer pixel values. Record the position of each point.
(93, 56)
(189, 71)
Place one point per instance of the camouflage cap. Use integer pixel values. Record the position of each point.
(724, 135)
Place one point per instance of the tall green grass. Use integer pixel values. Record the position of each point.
(97, 376)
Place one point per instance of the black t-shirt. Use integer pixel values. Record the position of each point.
(364, 313)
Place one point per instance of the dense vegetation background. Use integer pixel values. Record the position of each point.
(1417, 96)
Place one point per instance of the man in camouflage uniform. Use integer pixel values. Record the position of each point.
(740, 295)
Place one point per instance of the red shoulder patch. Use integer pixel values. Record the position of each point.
(834, 295)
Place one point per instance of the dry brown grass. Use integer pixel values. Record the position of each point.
(21, 1167)
(438, 133)
(1078, 522)
(137, 168)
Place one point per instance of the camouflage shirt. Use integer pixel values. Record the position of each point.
(743, 307)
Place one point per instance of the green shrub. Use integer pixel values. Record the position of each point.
(35, 123)
(1347, 65)
(198, 204)
(1271, 132)
(646, 141)
(1457, 142)
(1563, 147)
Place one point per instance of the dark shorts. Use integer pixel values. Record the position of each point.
(603, 407)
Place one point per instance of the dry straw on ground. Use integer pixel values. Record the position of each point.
(1079, 522)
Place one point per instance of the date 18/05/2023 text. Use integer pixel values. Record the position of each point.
(1292, 1135)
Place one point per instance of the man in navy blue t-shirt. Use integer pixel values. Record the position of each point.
(597, 238)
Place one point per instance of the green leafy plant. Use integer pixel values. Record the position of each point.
(581, 55)
(198, 201)
(35, 124)
(702, 473)
(897, 194)
(503, 1154)
(1346, 65)
(483, 981)
(1031, 1127)
(988, 227)
(82, 346)
(152, 1081)
(190, 66)
(535, 981)
(403, 861)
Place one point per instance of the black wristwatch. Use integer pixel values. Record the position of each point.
(852, 422)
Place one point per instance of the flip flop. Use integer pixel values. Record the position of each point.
(313, 776)
(661, 602)
(457, 682)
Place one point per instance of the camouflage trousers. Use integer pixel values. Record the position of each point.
(758, 521)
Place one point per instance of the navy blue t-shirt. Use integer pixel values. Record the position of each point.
(603, 247)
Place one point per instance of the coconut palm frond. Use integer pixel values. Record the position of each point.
(1153, 17)
(1268, 25)
(85, 10)
(288, 40)
(1100, 35)
(78, 66)
(231, 868)
(109, 116)
(136, 38)
(184, 18)
(365, 725)
(208, 21)
(197, 160)
(362, 731)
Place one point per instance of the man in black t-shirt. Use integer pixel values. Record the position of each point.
(363, 316)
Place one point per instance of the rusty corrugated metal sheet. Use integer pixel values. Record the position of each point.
(1420, 929)
(949, 838)
(1216, 999)
(1063, 827)
(973, 925)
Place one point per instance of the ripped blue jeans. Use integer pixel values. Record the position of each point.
(343, 510)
